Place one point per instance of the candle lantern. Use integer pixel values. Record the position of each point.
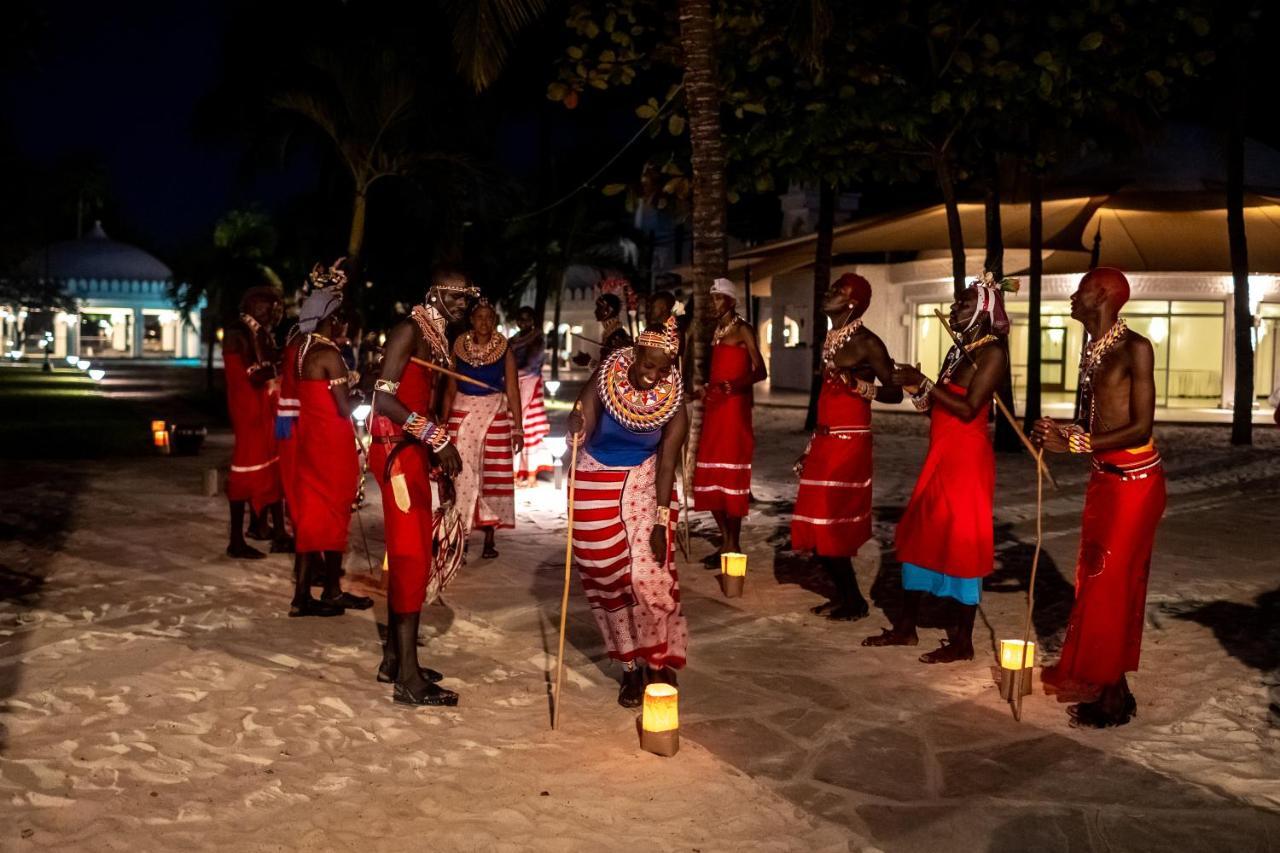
(1014, 675)
(660, 720)
(733, 574)
(160, 436)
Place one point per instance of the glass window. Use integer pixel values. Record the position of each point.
(1266, 355)
(1195, 357)
(1145, 306)
(1269, 309)
(1197, 308)
(932, 341)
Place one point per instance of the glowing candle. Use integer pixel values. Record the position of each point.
(1014, 677)
(733, 565)
(660, 720)
(1011, 654)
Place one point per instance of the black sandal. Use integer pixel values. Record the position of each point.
(350, 602)
(433, 695)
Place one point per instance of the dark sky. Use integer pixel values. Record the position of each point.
(121, 82)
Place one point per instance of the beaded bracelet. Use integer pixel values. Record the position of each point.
(920, 399)
(664, 515)
(1079, 441)
(386, 385)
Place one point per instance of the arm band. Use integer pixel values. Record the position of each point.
(386, 386)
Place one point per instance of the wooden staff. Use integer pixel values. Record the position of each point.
(461, 378)
(1031, 588)
(1004, 410)
(568, 569)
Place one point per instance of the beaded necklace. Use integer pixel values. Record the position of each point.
(431, 323)
(722, 332)
(478, 356)
(313, 338)
(837, 338)
(1091, 359)
(638, 409)
(956, 355)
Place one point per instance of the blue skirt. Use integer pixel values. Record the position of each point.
(919, 579)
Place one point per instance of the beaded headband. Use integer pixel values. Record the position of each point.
(666, 339)
(321, 278)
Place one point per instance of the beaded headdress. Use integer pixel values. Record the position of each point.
(991, 301)
(665, 337)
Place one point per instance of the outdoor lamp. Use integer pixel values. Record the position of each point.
(85, 365)
(733, 574)
(361, 412)
(1013, 674)
(558, 446)
(160, 436)
(73, 360)
(96, 374)
(553, 385)
(660, 720)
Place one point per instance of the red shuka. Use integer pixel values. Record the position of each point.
(947, 526)
(328, 470)
(1104, 634)
(408, 532)
(255, 472)
(833, 507)
(722, 476)
(287, 405)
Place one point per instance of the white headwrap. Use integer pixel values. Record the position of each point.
(724, 287)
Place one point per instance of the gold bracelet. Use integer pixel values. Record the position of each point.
(664, 515)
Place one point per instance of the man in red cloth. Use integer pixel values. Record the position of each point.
(946, 538)
(1122, 506)
(408, 439)
(833, 506)
(250, 360)
(722, 473)
(327, 471)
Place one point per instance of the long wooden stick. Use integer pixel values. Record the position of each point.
(461, 378)
(1004, 410)
(564, 597)
(1031, 589)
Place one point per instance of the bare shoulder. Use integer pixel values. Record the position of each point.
(993, 354)
(745, 331)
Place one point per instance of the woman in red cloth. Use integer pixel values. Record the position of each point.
(327, 465)
(946, 538)
(1122, 506)
(408, 439)
(722, 475)
(833, 506)
(249, 358)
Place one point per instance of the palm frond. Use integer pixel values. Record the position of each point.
(483, 31)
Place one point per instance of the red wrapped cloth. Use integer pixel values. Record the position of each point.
(833, 507)
(722, 475)
(255, 472)
(534, 457)
(947, 526)
(287, 411)
(408, 528)
(1122, 506)
(328, 470)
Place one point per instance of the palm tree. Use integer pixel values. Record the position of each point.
(702, 98)
(483, 31)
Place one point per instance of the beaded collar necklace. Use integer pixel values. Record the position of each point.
(478, 356)
(1091, 358)
(837, 338)
(431, 324)
(955, 356)
(313, 338)
(637, 409)
(722, 332)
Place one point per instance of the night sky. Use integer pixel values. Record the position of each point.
(121, 82)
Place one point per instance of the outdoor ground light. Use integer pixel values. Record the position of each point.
(73, 360)
(85, 365)
(97, 374)
(160, 436)
(558, 446)
(553, 385)
(361, 412)
(660, 720)
(1013, 674)
(733, 574)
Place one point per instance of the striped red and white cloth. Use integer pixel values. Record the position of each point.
(635, 599)
(534, 458)
(833, 506)
(482, 433)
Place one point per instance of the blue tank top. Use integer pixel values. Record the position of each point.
(618, 447)
(490, 374)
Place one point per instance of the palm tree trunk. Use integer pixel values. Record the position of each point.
(1242, 416)
(955, 233)
(702, 95)
(1006, 434)
(821, 281)
(1036, 276)
(355, 239)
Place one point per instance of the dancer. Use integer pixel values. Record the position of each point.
(946, 537)
(529, 347)
(328, 466)
(484, 425)
(407, 440)
(631, 426)
(1122, 506)
(833, 505)
(722, 474)
(249, 358)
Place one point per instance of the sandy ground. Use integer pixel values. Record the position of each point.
(154, 696)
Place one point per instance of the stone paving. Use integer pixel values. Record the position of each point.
(794, 736)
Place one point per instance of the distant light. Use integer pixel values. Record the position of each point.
(553, 385)
(361, 412)
(382, 339)
(85, 364)
(218, 334)
(96, 374)
(73, 360)
(558, 446)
